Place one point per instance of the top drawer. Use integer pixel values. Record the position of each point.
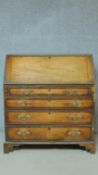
(48, 91)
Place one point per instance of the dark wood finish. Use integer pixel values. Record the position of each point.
(49, 99)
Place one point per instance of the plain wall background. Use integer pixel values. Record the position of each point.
(47, 27)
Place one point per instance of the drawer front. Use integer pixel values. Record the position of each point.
(70, 134)
(47, 91)
(28, 134)
(48, 117)
(31, 134)
(49, 103)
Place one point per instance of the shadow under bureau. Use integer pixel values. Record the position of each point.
(49, 100)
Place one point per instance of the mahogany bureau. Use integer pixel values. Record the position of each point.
(49, 100)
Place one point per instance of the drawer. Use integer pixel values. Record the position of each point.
(31, 134)
(70, 134)
(13, 103)
(46, 91)
(51, 117)
(28, 134)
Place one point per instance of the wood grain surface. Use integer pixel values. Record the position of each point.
(48, 117)
(49, 69)
(43, 133)
(47, 91)
(11, 103)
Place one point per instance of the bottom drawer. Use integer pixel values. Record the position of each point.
(43, 133)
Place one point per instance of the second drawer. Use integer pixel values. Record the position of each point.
(52, 103)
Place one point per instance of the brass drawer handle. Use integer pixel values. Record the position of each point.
(24, 117)
(74, 118)
(74, 133)
(24, 103)
(23, 133)
(23, 92)
(76, 103)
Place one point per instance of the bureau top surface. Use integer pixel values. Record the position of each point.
(49, 69)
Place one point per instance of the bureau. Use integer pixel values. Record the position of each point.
(49, 100)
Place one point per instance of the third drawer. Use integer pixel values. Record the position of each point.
(49, 117)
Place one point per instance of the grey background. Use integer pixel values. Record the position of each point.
(47, 27)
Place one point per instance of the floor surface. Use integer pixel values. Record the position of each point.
(44, 161)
